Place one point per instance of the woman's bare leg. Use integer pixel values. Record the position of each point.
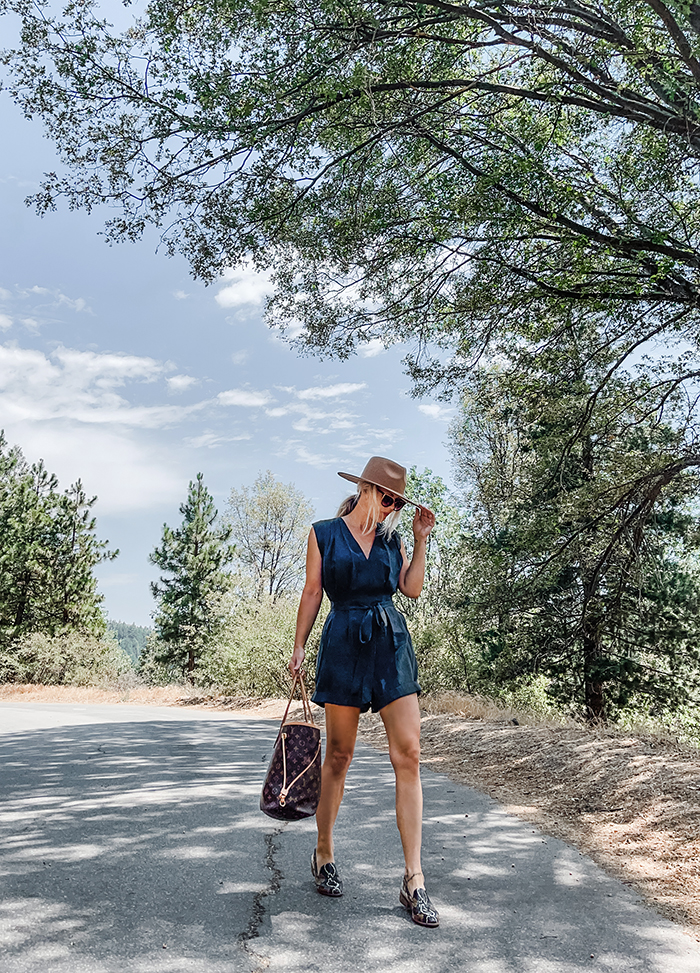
(402, 723)
(341, 732)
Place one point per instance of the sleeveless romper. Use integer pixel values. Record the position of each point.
(366, 656)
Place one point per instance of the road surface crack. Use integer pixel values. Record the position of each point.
(259, 909)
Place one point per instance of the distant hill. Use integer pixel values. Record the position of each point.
(131, 638)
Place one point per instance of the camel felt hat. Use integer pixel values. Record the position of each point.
(385, 474)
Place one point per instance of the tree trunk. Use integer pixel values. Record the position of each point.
(23, 602)
(594, 687)
(190, 665)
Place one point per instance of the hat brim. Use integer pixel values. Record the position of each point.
(382, 486)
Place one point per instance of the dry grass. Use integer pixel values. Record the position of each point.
(176, 695)
(137, 696)
(482, 708)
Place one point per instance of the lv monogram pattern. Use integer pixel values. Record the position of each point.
(295, 767)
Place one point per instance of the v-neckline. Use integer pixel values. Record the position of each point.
(357, 543)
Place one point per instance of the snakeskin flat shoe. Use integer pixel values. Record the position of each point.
(327, 879)
(422, 910)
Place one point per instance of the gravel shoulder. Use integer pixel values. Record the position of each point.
(631, 803)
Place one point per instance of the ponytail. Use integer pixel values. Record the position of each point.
(347, 505)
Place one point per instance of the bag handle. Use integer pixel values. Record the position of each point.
(299, 681)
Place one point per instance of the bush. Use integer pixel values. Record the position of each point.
(152, 669)
(71, 659)
(253, 651)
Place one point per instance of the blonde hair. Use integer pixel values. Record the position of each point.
(389, 524)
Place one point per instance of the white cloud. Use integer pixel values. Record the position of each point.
(304, 455)
(238, 357)
(180, 295)
(108, 370)
(436, 411)
(245, 286)
(58, 299)
(371, 349)
(321, 461)
(244, 397)
(330, 391)
(179, 383)
(80, 387)
(126, 473)
(64, 408)
(4, 295)
(210, 440)
(5, 322)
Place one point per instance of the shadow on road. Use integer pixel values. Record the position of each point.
(120, 839)
(511, 899)
(140, 847)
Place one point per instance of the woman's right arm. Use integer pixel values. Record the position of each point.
(311, 598)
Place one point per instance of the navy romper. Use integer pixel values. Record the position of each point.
(366, 656)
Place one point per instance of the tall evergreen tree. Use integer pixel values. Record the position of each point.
(582, 531)
(48, 553)
(132, 639)
(194, 557)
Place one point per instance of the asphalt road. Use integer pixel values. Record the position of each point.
(130, 840)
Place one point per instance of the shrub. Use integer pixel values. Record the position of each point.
(69, 659)
(253, 651)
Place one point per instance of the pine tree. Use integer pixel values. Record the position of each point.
(581, 544)
(48, 552)
(194, 557)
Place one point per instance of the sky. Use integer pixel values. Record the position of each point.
(116, 367)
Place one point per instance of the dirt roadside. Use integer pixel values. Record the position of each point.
(631, 803)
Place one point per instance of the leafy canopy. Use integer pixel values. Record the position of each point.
(431, 171)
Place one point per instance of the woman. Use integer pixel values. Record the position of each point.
(366, 658)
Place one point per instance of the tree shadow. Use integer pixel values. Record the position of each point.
(140, 847)
(511, 899)
(132, 845)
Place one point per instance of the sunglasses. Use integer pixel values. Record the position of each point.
(396, 502)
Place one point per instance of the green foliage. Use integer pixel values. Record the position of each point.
(48, 552)
(70, 659)
(441, 567)
(431, 172)
(270, 524)
(131, 638)
(252, 653)
(155, 665)
(189, 595)
(511, 189)
(581, 500)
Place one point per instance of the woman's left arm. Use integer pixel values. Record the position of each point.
(413, 571)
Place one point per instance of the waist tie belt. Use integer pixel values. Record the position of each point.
(374, 612)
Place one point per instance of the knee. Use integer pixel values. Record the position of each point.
(339, 758)
(406, 758)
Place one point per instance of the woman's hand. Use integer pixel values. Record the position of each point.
(297, 660)
(423, 523)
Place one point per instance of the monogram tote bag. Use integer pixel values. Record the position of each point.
(292, 785)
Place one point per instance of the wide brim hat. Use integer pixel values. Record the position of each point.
(384, 473)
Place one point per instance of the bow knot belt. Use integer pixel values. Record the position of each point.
(375, 613)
